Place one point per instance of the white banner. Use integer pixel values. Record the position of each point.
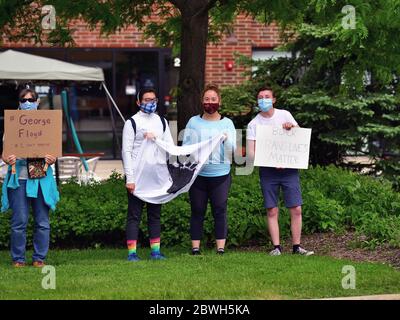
(280, 148)
(159, 180)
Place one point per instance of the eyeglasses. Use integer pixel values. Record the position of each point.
(25, 100)
(150, 100)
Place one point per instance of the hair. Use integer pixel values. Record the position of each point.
(24, 92)
(211, 87)
(265, 88)
(141, 93)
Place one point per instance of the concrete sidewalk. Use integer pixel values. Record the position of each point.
(105, 168)
(374, 297)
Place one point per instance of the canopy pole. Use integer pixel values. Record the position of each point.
(112, 100)
(78, 146)
(115, 137)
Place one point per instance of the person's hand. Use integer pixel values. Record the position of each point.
(10, 160)
(50, 159)
(130, 187)
(150, 136)
(288, 125)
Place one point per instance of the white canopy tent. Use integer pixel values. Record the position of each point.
(19, 66)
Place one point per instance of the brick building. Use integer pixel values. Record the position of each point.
(131, 62)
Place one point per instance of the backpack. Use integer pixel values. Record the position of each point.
(163, 121)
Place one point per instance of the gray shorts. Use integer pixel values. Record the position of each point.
(272, 180)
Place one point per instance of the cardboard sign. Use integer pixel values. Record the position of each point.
(32, 134)
(280, 148)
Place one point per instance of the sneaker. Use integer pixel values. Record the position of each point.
(303, 252)
(157, 256)
(220, 251)
(133, 257)
(38, 264)
(275, 252)
(196, 252)
(17, 264)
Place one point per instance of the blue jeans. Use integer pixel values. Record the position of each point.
(20, 204)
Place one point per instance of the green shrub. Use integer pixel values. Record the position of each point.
(334, 200)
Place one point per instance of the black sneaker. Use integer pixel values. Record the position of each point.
(303, 252)
(196, 252)
(220, 251)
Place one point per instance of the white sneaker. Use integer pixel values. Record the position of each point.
(303, 252)
(275, 252)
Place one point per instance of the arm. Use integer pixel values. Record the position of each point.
(128, 139)
(290, 122)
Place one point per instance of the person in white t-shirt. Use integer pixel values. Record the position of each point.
(274, 179)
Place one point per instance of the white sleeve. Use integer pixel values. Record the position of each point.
(291, 119)
(128, 139)
(251, 131)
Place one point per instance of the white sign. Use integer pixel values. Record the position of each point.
(280, 148)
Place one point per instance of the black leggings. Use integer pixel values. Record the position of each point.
(216, 189)
(135, 207)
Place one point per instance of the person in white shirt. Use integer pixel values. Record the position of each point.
(272, 179)
(145, 124)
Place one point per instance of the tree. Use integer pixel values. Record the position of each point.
(342, 79)
(185, 25)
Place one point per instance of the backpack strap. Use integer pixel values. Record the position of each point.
(133, 125)
(163, 121)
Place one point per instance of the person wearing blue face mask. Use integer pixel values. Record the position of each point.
(145, 124)
(21, 190)
(274, 179)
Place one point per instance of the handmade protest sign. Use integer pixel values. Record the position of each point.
(32, 134)
(280, 148)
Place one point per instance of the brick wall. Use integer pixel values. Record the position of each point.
(248, 34)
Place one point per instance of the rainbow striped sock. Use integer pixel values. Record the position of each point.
(131, 246)
(155, 245)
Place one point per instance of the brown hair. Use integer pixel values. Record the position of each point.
(266, 88)
(24, 92)
(211, 87)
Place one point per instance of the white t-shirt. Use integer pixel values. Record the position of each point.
(278, 119)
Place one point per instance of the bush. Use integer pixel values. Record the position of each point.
(334, 200)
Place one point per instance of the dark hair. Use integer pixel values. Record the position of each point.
(266, 88)
(211, 87)
(141, 93)
(24, 92)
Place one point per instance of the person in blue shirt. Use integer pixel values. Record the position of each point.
(19, 192)
(214, 180)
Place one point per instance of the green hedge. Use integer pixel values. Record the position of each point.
(334, 200)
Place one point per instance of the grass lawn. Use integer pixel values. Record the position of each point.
(105, 274)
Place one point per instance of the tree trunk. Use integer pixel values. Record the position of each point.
(193, 60)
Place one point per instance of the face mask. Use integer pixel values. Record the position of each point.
(210, 108)
(28, 105)
(265, 104)
(149, 107)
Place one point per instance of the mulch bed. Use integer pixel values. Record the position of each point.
(341, 246)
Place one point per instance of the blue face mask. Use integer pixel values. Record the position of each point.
(265, 104)
(149, 107)
(28, 105)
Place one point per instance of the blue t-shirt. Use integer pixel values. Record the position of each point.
(198, 129)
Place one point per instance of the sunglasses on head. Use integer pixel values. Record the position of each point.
(25, 100)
